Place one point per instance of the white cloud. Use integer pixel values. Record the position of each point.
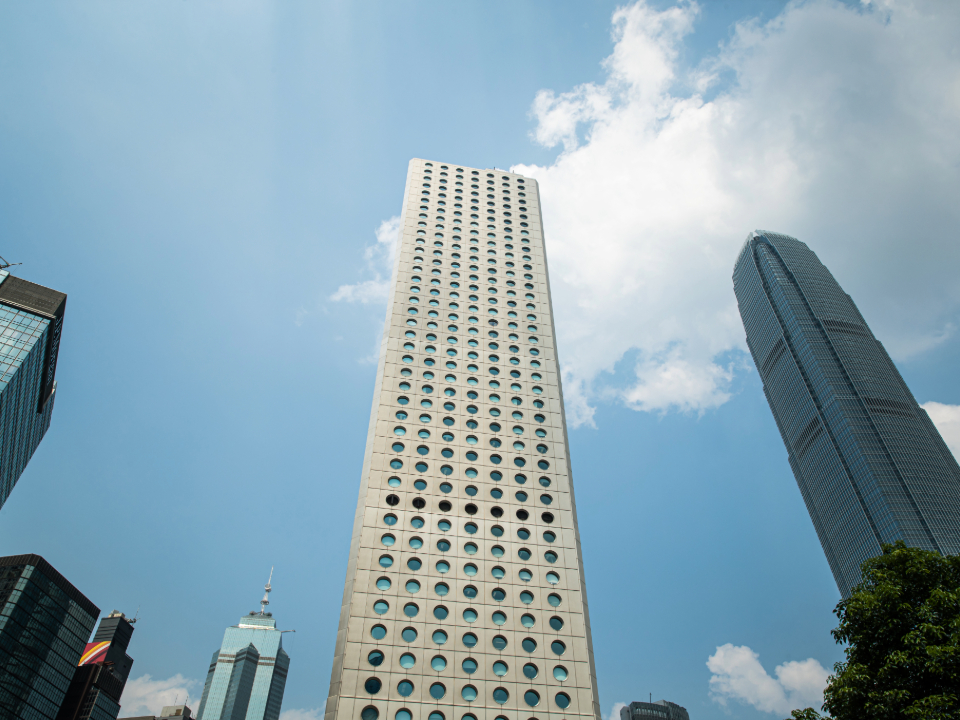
(314, 714)
(379, 261)
(833, 123)
(738, 675)
(947, 420)
(615, 711)
(146, 696)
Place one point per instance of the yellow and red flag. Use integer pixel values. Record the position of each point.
(94, 653)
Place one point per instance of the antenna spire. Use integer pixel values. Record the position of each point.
(266, 595)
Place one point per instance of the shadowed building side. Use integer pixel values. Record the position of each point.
(870, 464)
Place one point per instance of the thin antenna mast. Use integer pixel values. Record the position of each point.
(266, 595)
(4, 264)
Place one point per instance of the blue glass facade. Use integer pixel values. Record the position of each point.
(247, 674)
(870, 464)
(44, 625)
(31, 319)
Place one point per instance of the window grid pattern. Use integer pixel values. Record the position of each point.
(23, 341)
(465, 595)
(870, 465)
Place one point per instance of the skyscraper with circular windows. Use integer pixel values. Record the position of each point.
(465, 595)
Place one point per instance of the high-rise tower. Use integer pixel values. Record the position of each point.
(31, 320)
(870, 464)
(465, 594)
(248, 674)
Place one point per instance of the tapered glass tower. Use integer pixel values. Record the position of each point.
(465, 594)
(870, 464)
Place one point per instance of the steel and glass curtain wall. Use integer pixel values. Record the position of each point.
(870, 464)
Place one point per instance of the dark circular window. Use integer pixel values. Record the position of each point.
(440, 612)
(547, 517)
(499, 594)
(445, 506)
(372, 685)
(419, 503)
(393, 500)
(556, 623)
(522, 515)
(554, 599)
(437, 691)
(562, 700)
(530, 671)
(499, 642)
(471, 509)
(558, 647)
(369, 713)
(500, 695)
(529, 644)
(531, 698)
(496, 512)
(375, 658)
(470, 640)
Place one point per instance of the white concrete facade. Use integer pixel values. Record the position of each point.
(470, 257)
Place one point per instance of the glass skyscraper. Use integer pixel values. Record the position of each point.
(248, 674)
(31, 320)
(870, 464)
(465, 595)
(44, 626)
(660, 710)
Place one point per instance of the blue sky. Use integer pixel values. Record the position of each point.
(206, 181)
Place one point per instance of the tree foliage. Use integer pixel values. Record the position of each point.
(901, 625)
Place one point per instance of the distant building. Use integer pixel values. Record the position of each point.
(660, 710)
(170, 712)
(44, 626)
(31, 320)
(248, 673)
(870, 464)
(98, 681)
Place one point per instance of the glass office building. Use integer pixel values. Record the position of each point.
(660, 710)
(870, 464)
(31, 320)
(248, 674)
(44, 626)
(464, 594)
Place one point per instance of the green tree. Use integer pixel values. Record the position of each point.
(901, 625)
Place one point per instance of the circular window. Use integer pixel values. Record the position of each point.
(469, 666)
(378, 632)
(441, 589)
(526, 597)
(549, 536)
(524, 553)
(523, 534)
(470, 528)
(560, 673)
(531, 698)
(443, 567)
(500, 695)
(439, 637)
(388, 540)
(470, 592)
(380, 607)
(470, 640)
(435, 715)
(498, 594)
(499, 642)
(550, 556)
(414, 564)
(526, 575)
(499, 618)
(383, 583)
(553, 599)
(553, 578)
(405, 688)
(470, 509)
(438, 663)
(417, 522)
(369, 713)
(400, 431)
(444, 525)
(470, 615)
(528, 621)
(562, 700)
(386, 561)
(444, 545)
(411, 609)
(497, 551)
(394, 482)
(558, 647)
(556, 623)
(469, 693)
(529, 644)
(375, 658)
(496, 531)
(409, 634)
(420, 484)
(403, 715)
(470, 569)
(440, 612)
(471, 490)
(470, 548)
(437, 690)
(499, 668)
(412, 586)
(498, 572)
(530, 671)
(547, 517)
(390, 519)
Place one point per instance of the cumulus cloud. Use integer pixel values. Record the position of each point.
(615, 711)
(830, 122)
(947, 420)
(313, 714)
(146, 696)
(738, 675)
(379, 260)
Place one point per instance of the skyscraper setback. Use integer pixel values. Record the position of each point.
(31, 320)
(465, 593)
(870, 464)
